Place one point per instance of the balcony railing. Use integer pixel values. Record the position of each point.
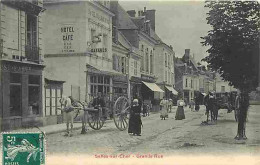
(32, 53)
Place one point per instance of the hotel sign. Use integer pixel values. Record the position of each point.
(99, 50)
(67, 36)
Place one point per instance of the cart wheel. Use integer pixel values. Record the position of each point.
(95, 120)
(121, 113)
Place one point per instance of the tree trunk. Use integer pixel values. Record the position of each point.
(244, 105)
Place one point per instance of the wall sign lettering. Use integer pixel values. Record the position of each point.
(67, 33)
(98, 50)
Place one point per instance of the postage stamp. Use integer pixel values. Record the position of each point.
(23, 148)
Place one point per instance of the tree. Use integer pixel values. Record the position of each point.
(233, 49)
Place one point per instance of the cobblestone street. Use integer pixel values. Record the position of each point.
(165, 137)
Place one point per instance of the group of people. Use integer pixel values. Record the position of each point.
(136, 109)
(135, 122)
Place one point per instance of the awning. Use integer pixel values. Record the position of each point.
(153, 87)
(100, 70)
(172, 90)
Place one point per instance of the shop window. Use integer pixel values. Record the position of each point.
(102, 85)
(34, 94)
(15, 94)
(31, 30)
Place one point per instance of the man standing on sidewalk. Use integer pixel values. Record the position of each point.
(99, 102)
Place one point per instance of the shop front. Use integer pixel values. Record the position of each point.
(21, 94)
(119, 86)
(151, 93)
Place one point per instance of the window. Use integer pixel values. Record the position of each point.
(93, 33)
(147, 60)
(142, 60)
(52, 96)
(123, 63)
(34, 94)
(105, 44)
(31, 30)
(135, 67)
(191, 82)
(101, 85)
(165, 60)
(222, 88)
(15, 94)
(169, 61)
(151, 62)
(186, 83)
(165, 76)
(115, 62)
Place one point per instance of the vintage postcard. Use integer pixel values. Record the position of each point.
(160, 82)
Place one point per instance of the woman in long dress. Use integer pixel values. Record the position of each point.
(164, 108)
(180, 110)
(135, 121)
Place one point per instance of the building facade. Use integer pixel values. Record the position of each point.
(164, 63)
(21, 60)
(79, 48)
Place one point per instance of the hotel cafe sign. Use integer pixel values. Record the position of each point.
(68, 38)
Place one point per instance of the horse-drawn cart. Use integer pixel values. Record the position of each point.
(95, 116)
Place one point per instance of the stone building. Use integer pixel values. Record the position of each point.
(21, 61)
(190, 79)
(78, 42)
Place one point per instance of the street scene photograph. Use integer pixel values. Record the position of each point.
(125, 82)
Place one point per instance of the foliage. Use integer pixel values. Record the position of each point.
(234, 41)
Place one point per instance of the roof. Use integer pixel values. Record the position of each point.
(124, 20)
(123, 41)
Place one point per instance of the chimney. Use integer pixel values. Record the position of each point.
(150, 15)
(187, 52)
(114, 8)
(131, 13)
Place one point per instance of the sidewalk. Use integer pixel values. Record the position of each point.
(53, 129)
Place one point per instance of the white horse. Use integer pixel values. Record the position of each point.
(71, 111)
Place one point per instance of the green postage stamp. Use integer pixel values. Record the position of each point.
(23, 148)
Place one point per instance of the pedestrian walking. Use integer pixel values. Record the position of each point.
(135, 121)
(197, 106)
(180, 110)
(192, 105)
(164, 108)
(170, 105)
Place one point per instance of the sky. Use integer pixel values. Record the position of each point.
(178, 23)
